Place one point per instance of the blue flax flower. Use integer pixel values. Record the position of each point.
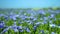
(35, 27)
(2, 24)
(52, 33)
(5, 30)
(41, 12)
(19, 27)
(27, 29)
(52, 25)
(42, 31)
(14, 28)
(21, 30)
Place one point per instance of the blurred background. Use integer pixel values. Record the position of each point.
(29, 3)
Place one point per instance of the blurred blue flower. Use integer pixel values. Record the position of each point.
(32, 14)
(5, 30)
(15, 30)
(12, 17)
(35, 27)
(45, 18)
(21, 30)
(45, 22)
(14, 24)
(14, 27)
(21, 22)
(19, 27)
(50, 11)
(2, 24)
(57, 11)
(31, 17)
(6, 17)
(52, 33)
(27, 20)
(41, 12)
(37, 23)
(52, 25)
(34, 19)
(42, 31)
(27, 29)
(52, 15)
(41, 18)
(2, 15)
(50, 21)
(29, 11)
(23, 17)
(30, 23)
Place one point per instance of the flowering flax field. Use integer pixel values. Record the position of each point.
(28, 21)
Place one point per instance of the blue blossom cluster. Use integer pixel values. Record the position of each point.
(30, 22)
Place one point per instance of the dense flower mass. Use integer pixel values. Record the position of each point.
(30, 22)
